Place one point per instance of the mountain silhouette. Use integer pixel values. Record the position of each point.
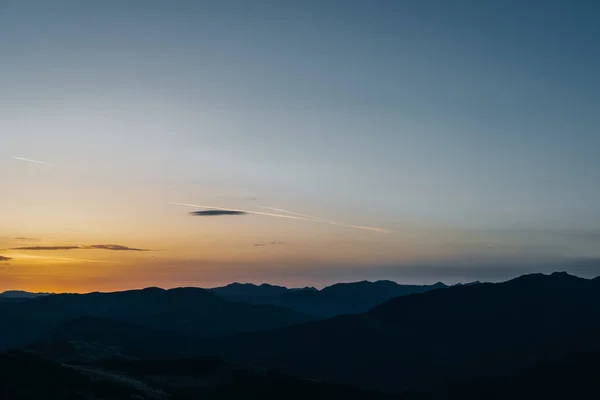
(413, 341)
(20, 294)
(480, 340)
(190, 312)
(341, 298)
(239, 291)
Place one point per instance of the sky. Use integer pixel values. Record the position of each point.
(465, 132)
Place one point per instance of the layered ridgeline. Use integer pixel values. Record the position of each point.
(532, 337)
(188, 312)
(183, 312)
(423, 340)
(338, 299)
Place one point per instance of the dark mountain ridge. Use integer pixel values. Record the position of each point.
(412, 341)
(463, 342)
(190, 312)
(21, 294)
(338, 299)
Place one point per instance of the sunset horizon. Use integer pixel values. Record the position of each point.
(297, 144)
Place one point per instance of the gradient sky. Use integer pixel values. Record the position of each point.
(468, 128)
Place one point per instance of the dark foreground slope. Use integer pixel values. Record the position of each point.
(189, 312)
(26, 376)
(100, 337)
(566, 369)
(421, 340)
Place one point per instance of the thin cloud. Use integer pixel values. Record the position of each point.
(277, 242)
(213, 213)
(62, 259)
(240, 210)
(4, 259)
(46, 248)
(112, 247)
(34, 161)
(27, 239)
(288, 215)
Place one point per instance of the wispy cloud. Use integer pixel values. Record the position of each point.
(27, 239)
(276, 242)
(213, 213)
(113, 247)
(240, 210)
(60, 259)
(46, 248)
(288, 215)
(4, 259)
(34, 161)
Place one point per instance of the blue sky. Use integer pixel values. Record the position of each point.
(459, 119)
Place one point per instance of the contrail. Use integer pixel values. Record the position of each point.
(292, 215)
(34, 161)
(370, 228)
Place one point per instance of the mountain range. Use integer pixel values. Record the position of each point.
(189, 312)
(413, 341)
(534, 336)
(341, 298)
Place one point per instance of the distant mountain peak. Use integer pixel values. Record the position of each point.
(559, 276)
(268, 285)
(153, 289)
(561, 273)
(239, 284)
(21, 294)
(237, 288)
